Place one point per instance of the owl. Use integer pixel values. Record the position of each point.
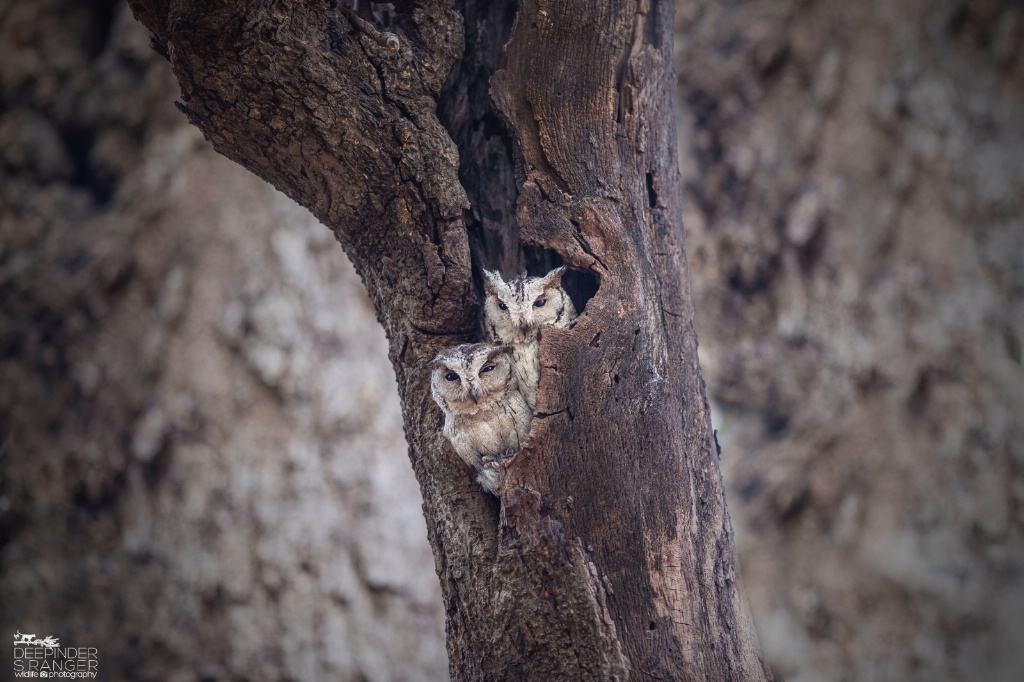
(486, 416)
(514, 313)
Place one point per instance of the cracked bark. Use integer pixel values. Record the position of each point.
(610, 555)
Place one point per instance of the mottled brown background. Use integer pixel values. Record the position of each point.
(202, 466)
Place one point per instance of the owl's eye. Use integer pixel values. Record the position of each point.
(502, 306)
(488, 368)
(539, 303)
(451, 376)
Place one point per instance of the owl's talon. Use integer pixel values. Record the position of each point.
(499, 462)
(509, 458)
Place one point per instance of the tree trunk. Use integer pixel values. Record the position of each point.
(610, 554)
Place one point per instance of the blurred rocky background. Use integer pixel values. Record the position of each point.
(202, 466)
(204, 473)
(854, 176)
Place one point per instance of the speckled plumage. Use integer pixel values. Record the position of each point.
(519, 324)
(485, 414)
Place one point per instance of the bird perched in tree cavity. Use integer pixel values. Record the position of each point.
(514, 313)
(486, 416)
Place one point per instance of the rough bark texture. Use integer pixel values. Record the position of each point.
(612, 556)
(855, 182)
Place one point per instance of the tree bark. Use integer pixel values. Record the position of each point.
(610, 554)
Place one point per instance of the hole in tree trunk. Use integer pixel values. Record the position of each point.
(540, 261)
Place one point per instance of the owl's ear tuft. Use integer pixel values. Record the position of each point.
(493, 281)
(498, 351)
(554, 278)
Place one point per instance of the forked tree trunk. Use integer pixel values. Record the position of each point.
(610, 555)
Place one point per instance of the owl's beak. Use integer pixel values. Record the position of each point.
(472, 394)
(523, 327)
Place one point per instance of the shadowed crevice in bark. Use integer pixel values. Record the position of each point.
(486, 158)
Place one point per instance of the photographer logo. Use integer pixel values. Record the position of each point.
(45, 658)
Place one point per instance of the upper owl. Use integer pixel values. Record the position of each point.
(515, 310)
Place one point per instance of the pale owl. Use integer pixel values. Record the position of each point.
(485, 415)
(514, 313)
